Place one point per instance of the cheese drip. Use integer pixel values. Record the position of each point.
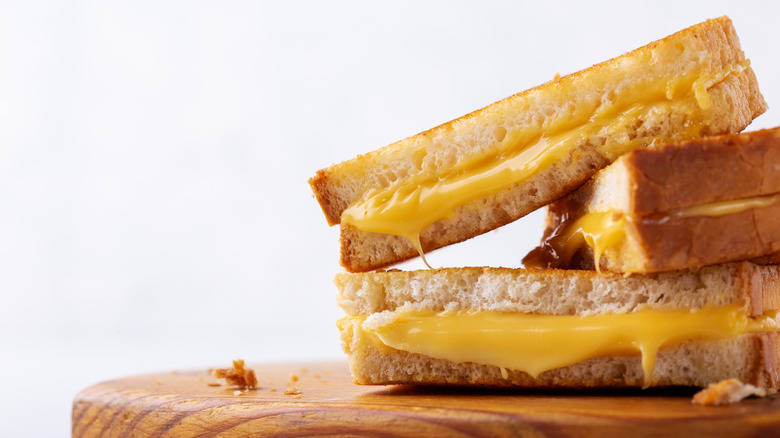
(600, 231)
(605, 230)
(406, 208)
(538, 343)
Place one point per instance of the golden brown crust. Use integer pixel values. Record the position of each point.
(769, 259)
(672, 243)
(328, 200)
(705, 170)
(761, 285)
(651, 186)
(766, 372)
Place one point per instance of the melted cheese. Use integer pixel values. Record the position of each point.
(600, 231)
(605, 230)
(407, 207)
(723, 208)
(538, 343)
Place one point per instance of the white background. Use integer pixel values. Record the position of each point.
(154, 156)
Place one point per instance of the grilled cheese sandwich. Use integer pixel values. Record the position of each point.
(514, 327)
(497, 164)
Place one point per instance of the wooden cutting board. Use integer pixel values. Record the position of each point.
(189, 404)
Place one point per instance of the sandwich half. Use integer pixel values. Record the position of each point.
(499, 327)
(499, 163)
(685, 205)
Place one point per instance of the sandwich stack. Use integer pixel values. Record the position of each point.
(656, 264)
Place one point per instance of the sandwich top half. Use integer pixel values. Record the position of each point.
(702, 202)
(499, 163)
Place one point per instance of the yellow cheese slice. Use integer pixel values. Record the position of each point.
(538, 343)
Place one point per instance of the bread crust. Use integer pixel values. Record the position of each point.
(766, 369)
(710, 45)
(649, 186)
(753, 358)
(705, 170)
(690, 242)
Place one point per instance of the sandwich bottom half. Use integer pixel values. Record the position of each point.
(457, 327)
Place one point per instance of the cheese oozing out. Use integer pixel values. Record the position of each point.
(410, 205)
(535, 343)
(605, 230)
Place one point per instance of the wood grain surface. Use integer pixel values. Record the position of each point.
(189, 404)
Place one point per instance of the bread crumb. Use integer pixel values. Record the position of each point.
(272, 389)
(725, 392)
(239, 375)
(237, 392)
(293, 378)
(214, 384)
(293, 390)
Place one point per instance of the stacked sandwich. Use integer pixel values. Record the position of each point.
(656, 202)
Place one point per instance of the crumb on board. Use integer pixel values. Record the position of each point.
(272, 389)
(240, 375)
(294, 378)
(214, 384)
(293, 390)
(237, 392)
(725, 392)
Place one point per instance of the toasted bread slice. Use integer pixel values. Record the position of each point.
(697, 203)
(499, 163)
(373, 299)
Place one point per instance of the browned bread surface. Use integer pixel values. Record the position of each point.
(711, 45)
(649, 186)
(683, 174)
